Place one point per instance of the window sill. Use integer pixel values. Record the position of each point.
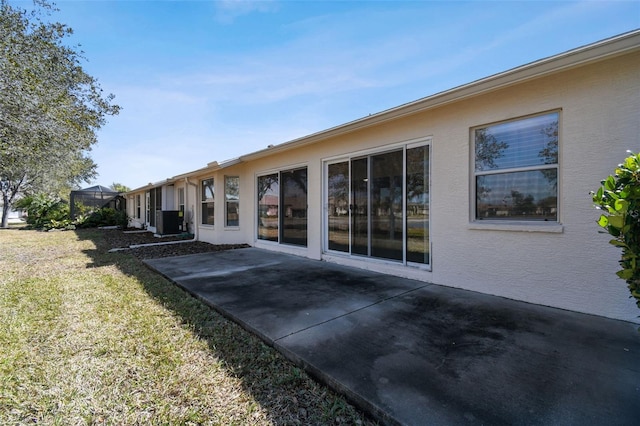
(552, 228)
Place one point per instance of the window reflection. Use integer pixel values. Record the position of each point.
(366, 212)
(232, 200)
(268, 212)
(418, 205)
(360, 206)
(208, 202)
(386, 205)
(338, 206)
(294, 207)
(518, 195)
(516, 167)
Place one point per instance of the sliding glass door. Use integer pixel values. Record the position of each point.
(378, 205)
(282, 207)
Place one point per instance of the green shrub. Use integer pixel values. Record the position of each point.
(46, 212)
(619, 198)
(103, 217)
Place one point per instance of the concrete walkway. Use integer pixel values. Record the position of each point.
(414, 353)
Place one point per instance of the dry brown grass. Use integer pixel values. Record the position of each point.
(90, 337)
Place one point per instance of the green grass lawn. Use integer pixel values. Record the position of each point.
(90, 337)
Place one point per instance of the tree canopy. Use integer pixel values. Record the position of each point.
(50, 108)
(119, 187)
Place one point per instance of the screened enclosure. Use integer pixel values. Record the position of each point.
(93, 198)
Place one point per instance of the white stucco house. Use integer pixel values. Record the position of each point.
(483, 187)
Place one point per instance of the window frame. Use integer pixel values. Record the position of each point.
(514, 223)
(204, 201)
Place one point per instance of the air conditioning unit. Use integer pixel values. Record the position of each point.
(168, 222)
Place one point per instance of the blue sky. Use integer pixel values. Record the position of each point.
(200, 81)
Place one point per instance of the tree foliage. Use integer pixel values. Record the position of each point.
(119, 187)
(619, 198)
(50, 108)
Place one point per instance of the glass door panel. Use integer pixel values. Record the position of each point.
(418, 204)
(359, 206)
(268, 212)
(294, 207)
(338, 206)
(386, 205)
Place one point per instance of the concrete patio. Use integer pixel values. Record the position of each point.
(414, 353)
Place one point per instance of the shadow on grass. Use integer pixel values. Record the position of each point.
(283, 390)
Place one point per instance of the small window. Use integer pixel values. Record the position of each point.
(232, 200)
(516, 170)
(181, 201)
(208, 202)
(147, 215)
(138, 202)
(181, 204)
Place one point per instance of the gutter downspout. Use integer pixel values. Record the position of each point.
(186, 202)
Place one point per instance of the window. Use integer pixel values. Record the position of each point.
(378, 205)
(181, 200)
(516, 170)
(138, 202)
(208, 202)
(232, 200)
(282, 207)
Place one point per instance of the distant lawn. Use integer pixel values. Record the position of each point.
(89, 337)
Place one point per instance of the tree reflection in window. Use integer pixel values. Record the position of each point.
(516, 168)
(268, 211)
(208, 202)
(293, 219)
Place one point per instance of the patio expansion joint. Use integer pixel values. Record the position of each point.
(352, 312)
